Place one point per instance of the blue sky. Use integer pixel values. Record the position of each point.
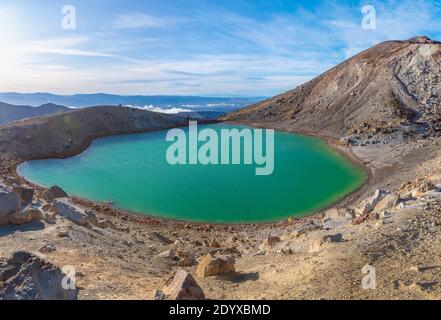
(192, 47)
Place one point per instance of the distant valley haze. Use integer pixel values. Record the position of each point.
(16, 106)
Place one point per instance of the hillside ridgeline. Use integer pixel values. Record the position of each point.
(9, 112)
(66, 134)
(385, 94)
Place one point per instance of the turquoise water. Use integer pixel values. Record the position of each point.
(132, 173)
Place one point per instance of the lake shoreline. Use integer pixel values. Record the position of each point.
(133, 246)
(347, 199)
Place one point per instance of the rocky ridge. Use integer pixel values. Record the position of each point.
(386, 94)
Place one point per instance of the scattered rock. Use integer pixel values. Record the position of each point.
(350, 213)
(233, 238)
(50, 217)
(334, 214)
(270, 242)
(426, 186)
(316, 244)
(210, 266)
(290, 234)
(285, 251)
(47, 248)
(27, 215)
(47, 207)
(65, 208)
(368, 205)
(366, 217)
(169, 254)
(389, 202)
(186, 259)
(419, 188)
(414, 269)
(93, 219)
(26, 276)
(26, 195)
(181, 287)
(105, 224)
(53, 193)
(9, 203)
(379, 224)
(159, 237)
(214, 244)
(159, 295)
(63, 234)
(385, 215)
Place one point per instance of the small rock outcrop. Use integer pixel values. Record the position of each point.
(12, 210)
(169, 254)
(65, 208)
(181, 287)
(9, 203)
(368, 205)
(26, 276)
(334, 214)
(316, 244)
(47, 248)
(26, 195)
(210, 266)
(53, 193)
(389, 202)
(270, 242)
(27, 215)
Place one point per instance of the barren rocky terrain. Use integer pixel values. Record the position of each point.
(392, 225)
(384, 94)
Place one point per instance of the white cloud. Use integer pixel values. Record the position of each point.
(152, 108)
(395, 21)
(270, 55)
(139, 20)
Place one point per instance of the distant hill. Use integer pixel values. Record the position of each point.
(9, 112)
(225, 104)
(206, 115)
(66, 134)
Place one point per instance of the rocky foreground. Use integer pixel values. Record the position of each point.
(392, 224)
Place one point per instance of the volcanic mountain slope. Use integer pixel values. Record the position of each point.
(9, 112)
(66, 134)
(391, 90)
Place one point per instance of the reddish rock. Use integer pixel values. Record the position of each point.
(181, 287)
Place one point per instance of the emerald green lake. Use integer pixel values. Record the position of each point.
(133, 174)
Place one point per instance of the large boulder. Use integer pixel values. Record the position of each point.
(389, 202)
(26, 276)
(181, 287)
(210, 266)
(65, 208)
(27, 215)
(53, 193)
(368, 205)
(9, 203)
(26, 195)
